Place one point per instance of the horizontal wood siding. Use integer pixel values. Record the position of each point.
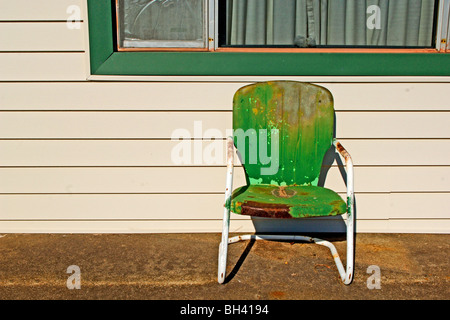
(78, 155)
(42, 36)
(207, 96)
(37, 10)
(207, 125)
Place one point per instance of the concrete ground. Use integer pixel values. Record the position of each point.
(184, 267)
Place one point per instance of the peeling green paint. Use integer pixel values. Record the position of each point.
(349, 206)
(289, 202)
(256, 181)
(303, 114)
(228, 203)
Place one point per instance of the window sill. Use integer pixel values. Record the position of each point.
(330, 50)
(271, 64)
(282, 50)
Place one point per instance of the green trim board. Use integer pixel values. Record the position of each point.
(106, 61)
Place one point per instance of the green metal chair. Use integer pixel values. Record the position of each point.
(282, 130)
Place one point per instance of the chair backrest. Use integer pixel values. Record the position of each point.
(282, 130)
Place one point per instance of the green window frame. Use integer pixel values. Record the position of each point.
(106, 60)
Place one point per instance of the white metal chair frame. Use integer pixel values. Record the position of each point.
(346, 274)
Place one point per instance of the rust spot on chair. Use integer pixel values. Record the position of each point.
(342, 151)
(258, 209)
(282, 192)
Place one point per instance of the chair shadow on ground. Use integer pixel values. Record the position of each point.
(240, 261)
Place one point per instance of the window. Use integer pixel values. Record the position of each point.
(162, 24)
(329, 23)
(129, 42)
(182, 24)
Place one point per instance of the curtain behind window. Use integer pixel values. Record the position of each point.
(309, 23)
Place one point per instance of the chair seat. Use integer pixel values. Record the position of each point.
(287, 201)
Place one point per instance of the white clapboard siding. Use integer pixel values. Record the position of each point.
(97, 156)
(388, 96)
(206, 180)
(195, 207)
(193, 95)
(392, 125)
(420, 152)
(163, 125)
(414, 226)
(38, 10)
(424, 206)
(38, 66)
(43, 36)
(177, 226)
(237, 226)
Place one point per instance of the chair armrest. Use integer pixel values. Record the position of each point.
(349, 168)
(230, 151)
(230, 169)
(348, 276)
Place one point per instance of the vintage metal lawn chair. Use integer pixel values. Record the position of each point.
(295, 121)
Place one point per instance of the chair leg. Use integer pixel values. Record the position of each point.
(223, 247)
(350, 244)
